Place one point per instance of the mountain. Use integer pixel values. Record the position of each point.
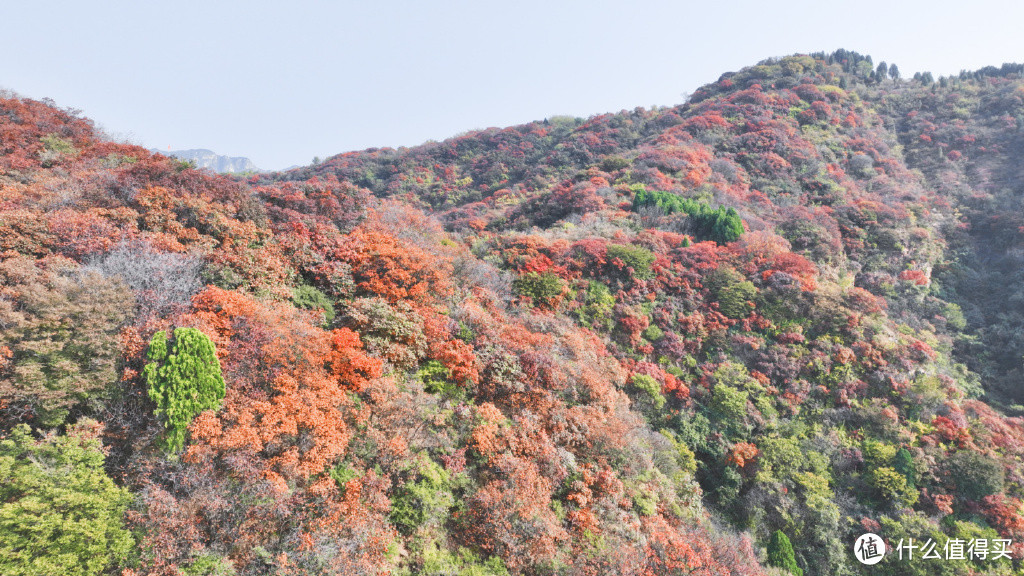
(208, 159)
(726, 337)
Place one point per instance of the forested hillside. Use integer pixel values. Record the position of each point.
(727, 337)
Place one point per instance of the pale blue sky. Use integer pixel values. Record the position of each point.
(281, 82)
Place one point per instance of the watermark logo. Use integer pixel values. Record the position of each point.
(869, 549)
(956, 549)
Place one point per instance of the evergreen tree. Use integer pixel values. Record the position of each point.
(780, 554)
(904, 464)
(894, 72)
(723, 225)
(727, 227)
(882, 71)
(184, 379)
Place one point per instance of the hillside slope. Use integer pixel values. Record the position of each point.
(641, 343)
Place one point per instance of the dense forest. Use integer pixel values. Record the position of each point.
(722, 338)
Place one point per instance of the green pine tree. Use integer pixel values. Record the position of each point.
(904, 464)
(184, 379)
(780, 554)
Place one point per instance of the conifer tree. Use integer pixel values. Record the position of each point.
(894, 72)
(184, 379)
(780, 554)
(904, 464)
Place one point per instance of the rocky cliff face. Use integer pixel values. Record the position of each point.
(209, 159)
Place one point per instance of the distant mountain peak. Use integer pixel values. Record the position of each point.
(204, 158)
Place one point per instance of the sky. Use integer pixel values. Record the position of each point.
(282, 82)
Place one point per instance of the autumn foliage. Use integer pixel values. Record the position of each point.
(686, 340)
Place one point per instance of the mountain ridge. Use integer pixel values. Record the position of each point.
(725, 337)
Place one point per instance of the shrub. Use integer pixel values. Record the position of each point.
(55, 143)
(649, 388)
(598, 303)
(613, 163)
(542, 288)
(653, 333)
(309, 298)
(424, 499)
(433, 559)
(975, 475)
(53, 148)
(636, 257)
(392, 332)
(729, 407)
(734, 301)
(891, 486)
(209, 565)
(437, 379)
(343, 474)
